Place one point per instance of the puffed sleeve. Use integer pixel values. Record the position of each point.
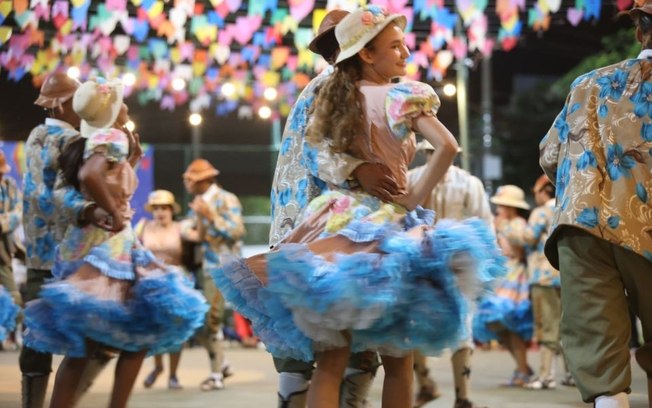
(112, 143)
(407, 101)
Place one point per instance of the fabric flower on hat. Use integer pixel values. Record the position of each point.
(367, 18)
(373, 15)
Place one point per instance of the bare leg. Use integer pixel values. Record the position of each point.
(158, 362)
(126, 371)
(324, 391)
(67, 382)
(518, 348)
(174, 363)
(397, 387)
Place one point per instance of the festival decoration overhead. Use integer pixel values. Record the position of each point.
(224, 54)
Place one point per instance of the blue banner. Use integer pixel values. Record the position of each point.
(15, 154)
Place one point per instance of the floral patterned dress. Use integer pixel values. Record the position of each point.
(107, 287)
(360, 265)
(509, 307)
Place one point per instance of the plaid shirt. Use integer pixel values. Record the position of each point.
(47, 210)
(599, 153)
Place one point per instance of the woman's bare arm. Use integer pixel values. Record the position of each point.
(445, 150)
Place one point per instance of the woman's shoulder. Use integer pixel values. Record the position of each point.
(406, 101)
(411, 88)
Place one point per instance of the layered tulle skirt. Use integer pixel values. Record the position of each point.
(115, 293)
(507, 308)
(380, 274)
(8, 313)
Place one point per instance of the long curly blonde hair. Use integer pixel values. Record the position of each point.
(337, 113)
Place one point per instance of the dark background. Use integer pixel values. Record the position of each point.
(241, 148)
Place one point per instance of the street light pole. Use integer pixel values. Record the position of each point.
(462, 78)
(487, 121)
(195, 120)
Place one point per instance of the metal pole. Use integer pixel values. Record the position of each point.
(196, 141)
(275, 143)
(487, 118)
(462, 108)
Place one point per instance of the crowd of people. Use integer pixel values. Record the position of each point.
(369, 264)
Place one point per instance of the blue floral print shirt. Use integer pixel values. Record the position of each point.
(599, 154)
(49, 203)
(223, 232)
(11, 205)
(534, 237)
(303, 170)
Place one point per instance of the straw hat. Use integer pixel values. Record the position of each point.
(510, 196)
(541, 182)
(98, 103)
(200, 169)
(641, 6)
(162, 197)
(361, 26)
(324, 42)
(57, 89)
(4, 166)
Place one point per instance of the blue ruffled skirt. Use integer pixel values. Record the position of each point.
(394, 286)
(116, 294)
(8, 313)
(508, 308)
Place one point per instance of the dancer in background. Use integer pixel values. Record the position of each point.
(108, 290)
(459, 196)
(506, 314)
(545, 291)
(162, 236)
(216, 222)
(50, 205)
(10, 218)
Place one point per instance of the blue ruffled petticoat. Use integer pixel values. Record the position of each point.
(158, 312)
(8, 313)
(410, 294)
(509, 307)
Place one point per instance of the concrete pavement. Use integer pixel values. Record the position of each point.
(254, 384)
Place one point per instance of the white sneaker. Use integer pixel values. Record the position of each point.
(212, 383)
(541, 384)
(619, 400)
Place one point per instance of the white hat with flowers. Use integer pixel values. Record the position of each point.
(357, 29)
(97, 102)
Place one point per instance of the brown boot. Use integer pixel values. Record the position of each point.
(34, 388)
(355, 389)
(425, 395)
(465, 403)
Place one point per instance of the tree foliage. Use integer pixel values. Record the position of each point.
(520, 127)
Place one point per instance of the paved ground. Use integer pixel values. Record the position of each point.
(254, 384)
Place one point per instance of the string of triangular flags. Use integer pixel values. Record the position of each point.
(193, 52)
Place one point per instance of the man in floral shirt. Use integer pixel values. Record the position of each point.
(216, 222)
(599, 153)
(49, 205)
(10, 217)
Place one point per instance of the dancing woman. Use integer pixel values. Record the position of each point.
(108, 291)
(357, 272)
